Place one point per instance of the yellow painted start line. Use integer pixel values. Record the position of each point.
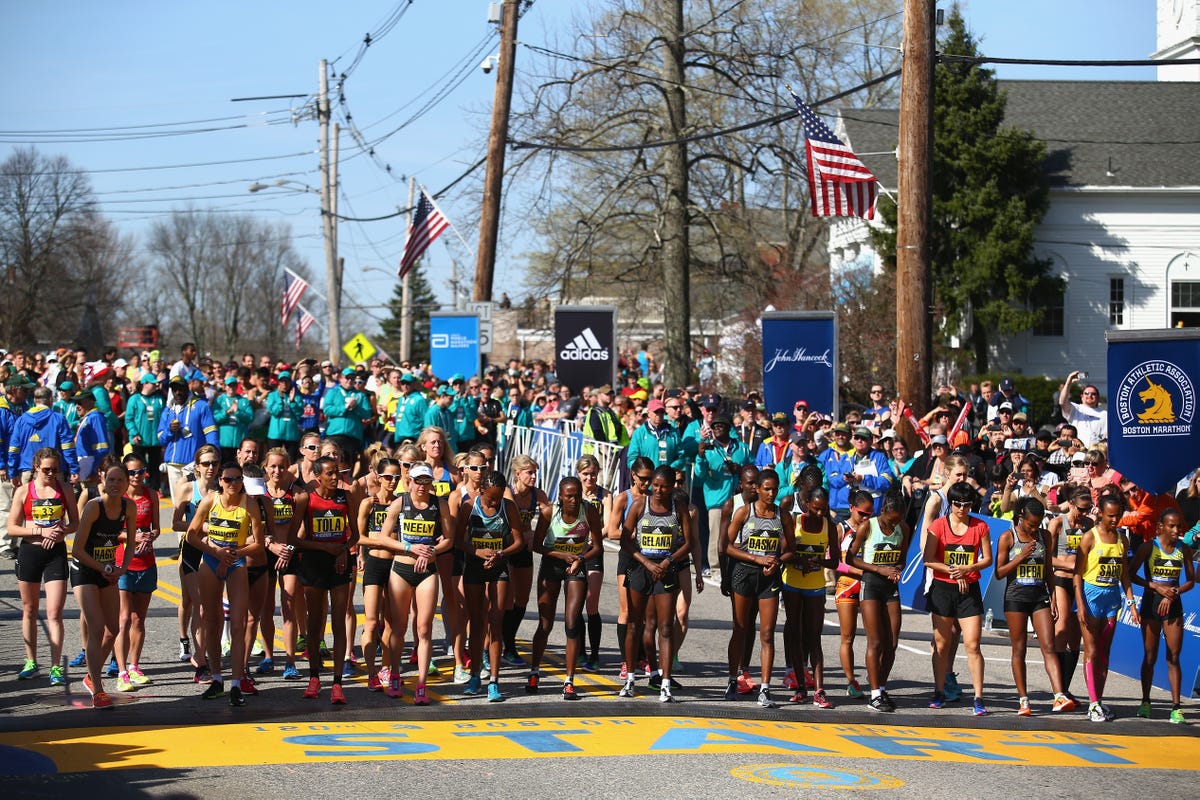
(189, 746)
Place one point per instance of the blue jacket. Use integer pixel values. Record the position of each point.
(37, 428)
(196, 428)
(286, 415)
(91, 439)
(444, 419)
(877, 484)
(310, 409)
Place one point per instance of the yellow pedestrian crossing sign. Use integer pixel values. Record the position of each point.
(359, 348)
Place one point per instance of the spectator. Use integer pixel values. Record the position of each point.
(1144, 510)
(142, 415)
(1088, 418)
(287, 408)
(863, 468)
(40, 426)
(232, 415)
(91, 439)
(187, 424)
(346, 408)
(718, 462)
(656, 439)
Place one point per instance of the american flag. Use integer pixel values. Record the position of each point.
(303, 323)
(427, 224)
(839, 184)
(293, 289)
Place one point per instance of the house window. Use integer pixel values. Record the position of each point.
(1116, 302)
(1050, 301)
(1185, 304)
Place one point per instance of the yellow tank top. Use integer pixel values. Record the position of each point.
(228, 527)
(1104, 563)
(813, 545)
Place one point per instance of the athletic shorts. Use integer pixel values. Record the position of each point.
(552, 570)
(476, 575)
(623, 559)
(316, 569)
(595, 564)
(460, 562)
(86, 576)
(214, 564)
(1067, 583)
(140, 581)
(846, 590)
(255, 572)
(1149, 608)
(522, 558)
(876, 587)
(1102, 602)
(375, 570)
(273, 564)
(36, 564)
(189, 558)
(946, 600)
(748, 580)
(803, 592)
(1025, 605)
(408, 572)
(638, 579)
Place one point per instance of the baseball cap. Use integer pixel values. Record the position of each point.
(692, 388)
(643, 382)
(721, 419)
(79, 397)
(178, 380)
(799, 438)
(1006, 406)
(605, 389)
(779, 418)
(712, 401)
(67, 386)
(841, 427)
(747, 405)
(939, 439)
(407, 377)
(327, 363)
(19, 381)
(120, 362)
(801, 404)
(890, 433)
(420, 471)
(864, 433)
(458, 377)
(149, 377)
(232, 379)
(655, 405)
(445, 390)
(348, 372)
(1079, 458)
(1020, 416)
(1007, 385)
(284, 376)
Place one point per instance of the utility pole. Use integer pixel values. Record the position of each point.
(333, 286)
(914, 203)
(489, 221)
(406, 311)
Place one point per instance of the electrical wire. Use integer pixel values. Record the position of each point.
(143, 126)
(305, 153)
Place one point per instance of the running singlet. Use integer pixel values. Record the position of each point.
(1104, 562)
(145, 522)
(1164, 568)
(44, 512)
(327, 517)
(1031, 571)
(1068, 540)
(571, 538)
(658, 535)
(597, 502)
(760, 536)
(228, 527)
(420, 525)
(102, 541)
(958, 551)
(529, 515)
(284, 509)
(810, 544)
(443, 485)
(882, 549)
(488, 532)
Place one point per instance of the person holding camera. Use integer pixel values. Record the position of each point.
(1088, 418)
(718, 460)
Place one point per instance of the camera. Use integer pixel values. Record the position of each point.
(1083, 376)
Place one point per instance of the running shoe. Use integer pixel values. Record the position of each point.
(374, 684)
(1177, 716)
(185, 650)
(215, 689)
(624, 673)
(977, 707)
(645, 668)
(336, 696)
(265, 667)
(79, 660)
(664, 695)
(123, 683)
(789, 680)
(420, 696)
(236, 698)
(473, 686)
(655, 681)
(347, 670)
(247, 686)
(101, 700)
(30, 669)
(764, 698)
(412, 657)
(87, 684)
(592, 664)
(113, 669)
(1062, 704)
(461, 675)
(1023, 708)
(810, 682)
(513, 659)
(486, 661)
(798, 696)
(879, 704)
(939, 700)
(56, 676)
(731, 690)
(676, 665)
(952, 689)
(137, 676)
(1144, 710)
(314, 688)
(433, 668)
(290, 673)
(1108, 714)
(820, 700)
(323, 651)
(301, 644)
(854, 689)
(385, 675)
(531, 685)
(569, 692)
(201, 675)
(494, 695)
(395, 686)
(747, 684)
(257, 650)
(627, 689)
(887, 698)
(226, 648)
(1096, 714)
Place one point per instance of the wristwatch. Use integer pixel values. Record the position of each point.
(108, 569)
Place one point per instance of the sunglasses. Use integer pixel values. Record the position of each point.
(389, 477)
(231, 478)
(132, 472)
(406, 464)
(642, 478)
(961, 503)
(674, 407)
(54, 470)
(309, 447)
(475, 467)
(423, 481)
(208, 463)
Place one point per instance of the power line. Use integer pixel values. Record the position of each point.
(143, 126)
(436, 195)
(1059, 62)
(17, 138)
(306, 153)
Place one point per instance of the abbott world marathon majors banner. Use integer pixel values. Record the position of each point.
(800, 360)
(1153, 438)
(453, 344)
(585, 346)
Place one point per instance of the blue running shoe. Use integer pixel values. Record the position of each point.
(494, 695)
(977, 707)
(952, 689)
(348, 670)
(938, 700)
(472, 687)
(30, 669)
(79, 660)
(265, 667)
(487, 661)
(113, 669)
(290, 673)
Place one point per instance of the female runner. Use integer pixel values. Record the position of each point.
(1023, 556)
(43, 513)
(434, 451)
(658, 535)
(1067, 530)
(474, 466)
(573, 537)
(377, 566)
(803, 587)
(423, 523)
(289, 505)
(535, 515)
(599, 498)
(305, 469)
(137, 585)
(760, 540)
(226, 529)
(489, 533)
(326, 571)
(847, 591)
(878, 551)
(956, 549)
(205, 466)
(640, 473)
(95, 572)
(1169, 573)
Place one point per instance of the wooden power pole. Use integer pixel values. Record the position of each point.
(333, 289)
(493, 181)
(914, 203)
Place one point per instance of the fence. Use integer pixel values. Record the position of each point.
(556, 452)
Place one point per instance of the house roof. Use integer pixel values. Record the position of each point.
(1143, 132)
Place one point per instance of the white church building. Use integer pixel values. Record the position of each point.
(1123, 225)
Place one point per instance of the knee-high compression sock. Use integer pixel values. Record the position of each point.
(595, 625)
(1070, 661)
(512, 623)
(1088, 674)
(622, 630)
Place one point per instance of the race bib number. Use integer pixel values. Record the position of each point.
(886, 556)
(1030, 574)
(959, 556)
(419, 531)
(105, 555)
(762, 545)
(1109, 572)
(328, 528)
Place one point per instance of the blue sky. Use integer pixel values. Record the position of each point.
(75, 65)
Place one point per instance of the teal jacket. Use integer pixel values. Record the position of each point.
(410, 415)
(465, 410)
(444, 419)
(285, 416)
(232, 424)
(341, 420)
(717, 482)
(142, 414)
(661, 447)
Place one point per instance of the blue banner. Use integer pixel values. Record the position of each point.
(453, 344)
(912, 580)
(1128, 649)
(1153, 437)
(800, 360)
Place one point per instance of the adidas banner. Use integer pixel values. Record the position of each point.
(800, 360)
(585, 345)
(1153, 434)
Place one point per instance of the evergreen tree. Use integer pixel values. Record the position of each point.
(423, 302)
(989, 195)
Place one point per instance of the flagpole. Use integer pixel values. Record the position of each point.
(433, 203)
(406, 291)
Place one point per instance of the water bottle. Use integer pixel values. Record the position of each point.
(987, 621)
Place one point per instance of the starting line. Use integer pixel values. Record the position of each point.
(192, 746)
